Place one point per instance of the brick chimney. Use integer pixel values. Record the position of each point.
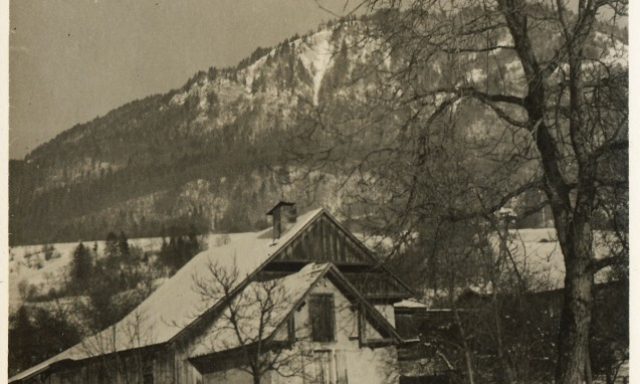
(284, 215)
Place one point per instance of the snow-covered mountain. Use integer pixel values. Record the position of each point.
(215, 153)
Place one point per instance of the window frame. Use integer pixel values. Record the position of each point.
(328, 313)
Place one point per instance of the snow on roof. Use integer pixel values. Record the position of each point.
(176, 303)
(284, 294)
(409, 303)
(537, 254)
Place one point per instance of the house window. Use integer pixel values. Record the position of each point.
(322, 315)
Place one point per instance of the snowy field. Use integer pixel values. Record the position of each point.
(27, 264)
(536, 251)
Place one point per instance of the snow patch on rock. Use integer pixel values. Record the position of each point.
(251, 71)
(316, 54)
(199, 88)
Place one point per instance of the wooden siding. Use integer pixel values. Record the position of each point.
(128, 367)
(324, 242)
(376, 285)
(373, 284)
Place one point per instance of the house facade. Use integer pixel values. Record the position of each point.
(301, 302)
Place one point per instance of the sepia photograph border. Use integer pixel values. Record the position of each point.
(634, 187)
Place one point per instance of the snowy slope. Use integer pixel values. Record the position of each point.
(27, 264)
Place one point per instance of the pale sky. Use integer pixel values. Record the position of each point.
(72, 60)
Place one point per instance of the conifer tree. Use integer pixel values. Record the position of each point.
(81, 266)
(123, 245)
(111, 245)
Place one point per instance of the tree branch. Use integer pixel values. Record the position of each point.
(599, 264)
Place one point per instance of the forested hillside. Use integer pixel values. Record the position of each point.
(218, 151)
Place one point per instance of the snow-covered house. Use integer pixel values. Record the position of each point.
(305, 298)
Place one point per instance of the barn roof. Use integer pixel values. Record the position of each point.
(176, 303)
(537, 254)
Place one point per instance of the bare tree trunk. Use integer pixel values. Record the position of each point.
(572, 221)
(509, 375)
(573, 347)
(468, 360)
(588, 378)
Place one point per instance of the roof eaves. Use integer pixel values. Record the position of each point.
(361, 299)
(327, 267)
(37, 369)
(321, 273)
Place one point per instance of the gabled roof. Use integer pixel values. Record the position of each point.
(368, 251)
(538, 256)
(176, 305)
(287, 294)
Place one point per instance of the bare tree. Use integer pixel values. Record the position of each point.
(496, 326)
(118, 352)
(115, 332)
(266, 327)
(254, 326)
(507, 96)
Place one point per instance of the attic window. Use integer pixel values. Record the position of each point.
(322, 315)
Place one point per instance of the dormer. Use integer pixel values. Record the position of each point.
(284, 215)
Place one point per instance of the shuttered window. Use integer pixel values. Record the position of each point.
(322, 314)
